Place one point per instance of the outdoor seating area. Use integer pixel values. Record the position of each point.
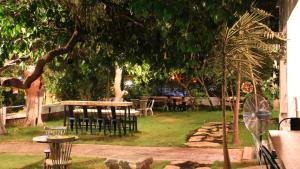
(111, 116)
(121, 84)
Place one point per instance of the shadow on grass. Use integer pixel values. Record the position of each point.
(93, 163)
(36, 165)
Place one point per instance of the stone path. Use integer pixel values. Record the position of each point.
(204, 148)
(198, 155)
(209, 135)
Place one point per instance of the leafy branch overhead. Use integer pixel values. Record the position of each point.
(39, 69)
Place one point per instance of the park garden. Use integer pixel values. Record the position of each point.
(78, 63)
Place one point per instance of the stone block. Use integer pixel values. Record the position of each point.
(196, 138)
(171, 167)
(202, 144)
(128, 162)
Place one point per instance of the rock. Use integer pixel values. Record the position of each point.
(214, 129)
(177, 162)
(128, 162)
(112, 163)
(210, 139)
(196, 138)
(202, 130)
(208, 127)
(171, 167)
(200, 133)
(202, 144)
(216, 134)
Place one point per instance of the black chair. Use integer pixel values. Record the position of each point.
(72, 120)
(293, 121)
(116, 122)
(268, 158)
(85, 120)
(101, 120)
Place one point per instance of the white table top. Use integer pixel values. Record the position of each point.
(96, 103)
(287, 147)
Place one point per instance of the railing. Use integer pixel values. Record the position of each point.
(9, 112)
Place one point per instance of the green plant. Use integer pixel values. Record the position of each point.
(270, 90)
(197, 93)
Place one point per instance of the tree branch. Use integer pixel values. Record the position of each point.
(126, 14)
(13, 62)
(39, 68)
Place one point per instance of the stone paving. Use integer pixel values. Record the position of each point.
(203, 149)
(198, 155)
(209, 135)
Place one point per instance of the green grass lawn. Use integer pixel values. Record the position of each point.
(15, 161)
(162, 129)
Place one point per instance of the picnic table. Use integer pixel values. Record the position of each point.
(70, 104)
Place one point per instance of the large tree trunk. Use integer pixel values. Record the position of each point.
(119, 93)
(34, 100)
(236, 109)
(34, 95)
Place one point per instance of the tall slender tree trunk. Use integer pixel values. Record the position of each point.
(227, 164)
(34, 100)
(201, 81)
(254, 88)
(237, 107)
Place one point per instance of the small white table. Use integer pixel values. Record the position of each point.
(40, 139)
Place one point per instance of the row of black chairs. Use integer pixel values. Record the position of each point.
(101, 118)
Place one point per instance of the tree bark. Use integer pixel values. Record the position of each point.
(39, 68)
(254, 88)
(201, 81)
(2, 127)
(34, 100)
(26, 84)
(237, 108)
(119, 93)
(227, 164)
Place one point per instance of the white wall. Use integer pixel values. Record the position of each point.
(293, 61)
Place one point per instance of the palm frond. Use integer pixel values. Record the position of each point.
(248, 42)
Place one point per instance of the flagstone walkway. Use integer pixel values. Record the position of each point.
(209, 135)
(199, 155)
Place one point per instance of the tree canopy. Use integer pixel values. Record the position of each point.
(85, 38)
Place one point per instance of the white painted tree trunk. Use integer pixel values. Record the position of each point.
(2, 127)
(119, 93)
(34, 100)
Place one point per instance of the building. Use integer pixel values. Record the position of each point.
(289, 13)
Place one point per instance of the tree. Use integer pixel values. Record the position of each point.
(54, 32)
(17, 25)
(244, 45)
